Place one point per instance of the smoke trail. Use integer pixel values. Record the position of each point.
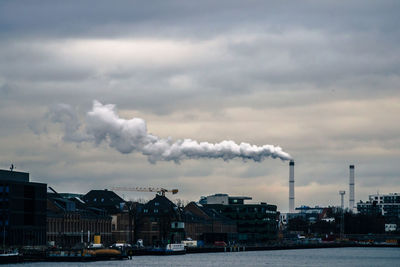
(104, 125)
(66, 115)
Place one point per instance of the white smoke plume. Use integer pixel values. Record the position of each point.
(104, 125)
(66, 115)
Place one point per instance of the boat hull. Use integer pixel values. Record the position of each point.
(170, 249)
(10, 258)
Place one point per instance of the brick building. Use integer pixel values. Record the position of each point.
(160, 221)
(72, 221)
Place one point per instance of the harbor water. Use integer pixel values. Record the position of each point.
(354, 256)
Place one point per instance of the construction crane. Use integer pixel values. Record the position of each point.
(160, 191)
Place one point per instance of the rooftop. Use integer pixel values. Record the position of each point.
(14, 176)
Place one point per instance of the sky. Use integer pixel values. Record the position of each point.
(320, 79)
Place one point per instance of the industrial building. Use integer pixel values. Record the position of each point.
(122, 222)
(202, 223)
(22, 210)
(71, 221)
(255, 222)
(387, 205)
(314, 214)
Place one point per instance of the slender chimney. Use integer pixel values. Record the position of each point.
(351, 187)
(291, 186)
(342, 193)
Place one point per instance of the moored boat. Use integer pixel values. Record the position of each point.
(10, 257)
(85, 255)
(169, 249)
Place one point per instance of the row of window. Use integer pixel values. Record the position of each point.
(77, 226)
(5, 189)
(146, 210)
(250, 210)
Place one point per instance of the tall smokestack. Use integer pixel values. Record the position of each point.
(351, 187)
(291, 186)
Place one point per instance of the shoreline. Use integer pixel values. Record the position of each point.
(280, 247)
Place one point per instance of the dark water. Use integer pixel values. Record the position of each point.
(299, 257)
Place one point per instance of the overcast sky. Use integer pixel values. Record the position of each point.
(321, 79)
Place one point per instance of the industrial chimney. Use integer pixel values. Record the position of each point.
(291, 186)
(351, 188)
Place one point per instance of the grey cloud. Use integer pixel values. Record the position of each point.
(60, 18)
(222, 70)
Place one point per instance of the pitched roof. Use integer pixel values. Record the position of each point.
(104, 199)
(160, 206)
(206, 213)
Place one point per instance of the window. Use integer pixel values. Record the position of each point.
(94, 199)
(102, 200)
(145, 210)
(156, 204)
(155, 210)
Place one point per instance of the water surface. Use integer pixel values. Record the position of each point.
(298, 257)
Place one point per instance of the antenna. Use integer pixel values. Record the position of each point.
(12, 167)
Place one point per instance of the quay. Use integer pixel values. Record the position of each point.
(282, 247)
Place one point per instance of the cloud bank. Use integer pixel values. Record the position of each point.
(102, 124)
(319, 78)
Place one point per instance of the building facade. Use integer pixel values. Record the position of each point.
(160, 222)
(256, 223)
(71, 221)
(121, 211)
(22, 210)
(387, 205)
(208, 225)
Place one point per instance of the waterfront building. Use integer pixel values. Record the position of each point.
(255, 222)
(121, 212)
(387, 205)
(314, 214)
(160, 221)
(104, 199)
(71, 221)
(208, 225)
(22, 210)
